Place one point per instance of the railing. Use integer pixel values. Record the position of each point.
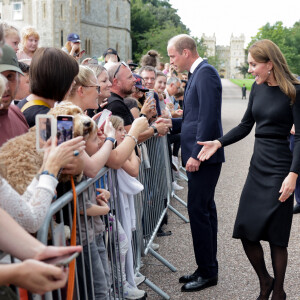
(151, 205)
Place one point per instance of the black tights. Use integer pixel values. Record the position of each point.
(255, 254)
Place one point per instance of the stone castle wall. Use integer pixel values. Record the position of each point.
(99, 23)
(230, 57)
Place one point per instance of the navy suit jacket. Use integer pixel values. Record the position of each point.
(202, 113)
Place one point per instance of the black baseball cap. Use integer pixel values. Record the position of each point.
(111, 51)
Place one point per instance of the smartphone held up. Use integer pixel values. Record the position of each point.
(45, 129)
(102, 119)
(48, 127)
(65, 129)
(150, 95)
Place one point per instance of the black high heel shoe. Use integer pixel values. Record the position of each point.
(260, 297)
(284, 296)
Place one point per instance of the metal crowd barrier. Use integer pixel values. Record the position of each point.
(151, 205)
(62, 209)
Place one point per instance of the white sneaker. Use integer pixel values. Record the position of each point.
(154, 246)
(176, 187)
(132, 293)
(139, 279)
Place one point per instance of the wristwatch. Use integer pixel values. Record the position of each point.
(143, 115)
(155, 130)
(112, 140)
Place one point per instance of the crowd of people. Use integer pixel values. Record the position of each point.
(145, 101)
(181, 100)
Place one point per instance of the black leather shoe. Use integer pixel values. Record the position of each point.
(188, 278)
(199, 284)
(296, 209)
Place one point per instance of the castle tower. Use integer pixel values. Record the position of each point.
(237, 56)
(99, 23)
(210, 43)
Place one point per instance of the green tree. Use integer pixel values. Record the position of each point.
(287, 39)
(157, 38)
(243, 69)
(153, 23)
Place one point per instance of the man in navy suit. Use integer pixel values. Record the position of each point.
(201, 122)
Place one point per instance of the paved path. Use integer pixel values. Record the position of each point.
(237, 280)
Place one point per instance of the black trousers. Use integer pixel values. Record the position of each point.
(203, 217)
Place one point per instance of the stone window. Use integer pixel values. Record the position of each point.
(88, 48)
(117, 14)
(44, 10)
(17, 11)
(61, 11)
(87, 6)
(62, 38)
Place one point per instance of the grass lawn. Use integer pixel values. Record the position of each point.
(240, 82)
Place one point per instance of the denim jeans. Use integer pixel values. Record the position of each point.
(99, 273)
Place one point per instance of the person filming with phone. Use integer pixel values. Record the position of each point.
(123, 83)
(72, 46)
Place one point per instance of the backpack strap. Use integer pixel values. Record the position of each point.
(34, 102)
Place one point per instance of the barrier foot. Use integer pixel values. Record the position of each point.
(183, 176)
(176, 212)
(155, 288)
(179, 199)
(162, 260)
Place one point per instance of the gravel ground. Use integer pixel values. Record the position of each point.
(236, 277)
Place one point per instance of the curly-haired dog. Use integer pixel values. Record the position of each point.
(20, 160)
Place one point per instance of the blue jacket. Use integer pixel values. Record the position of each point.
(202, 113)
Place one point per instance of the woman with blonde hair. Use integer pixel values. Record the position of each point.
(29, 43)
(11, 36)
(86, 89)
(105, 85)
(266, 205)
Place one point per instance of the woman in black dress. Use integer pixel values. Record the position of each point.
(266, 205)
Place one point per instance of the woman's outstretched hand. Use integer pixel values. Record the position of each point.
(209, 148)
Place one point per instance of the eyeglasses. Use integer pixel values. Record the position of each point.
(118, 69)
(96, 86)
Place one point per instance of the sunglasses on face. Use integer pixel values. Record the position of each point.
(118, 69)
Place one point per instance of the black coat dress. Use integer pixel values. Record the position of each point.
(261, 216)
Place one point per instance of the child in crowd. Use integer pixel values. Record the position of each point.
(128, 187)
(29, 43)
(94, 206)
(11, 36)
(159, 88)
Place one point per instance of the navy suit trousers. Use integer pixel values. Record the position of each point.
(203, 217)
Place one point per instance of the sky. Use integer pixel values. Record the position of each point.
(226, 17)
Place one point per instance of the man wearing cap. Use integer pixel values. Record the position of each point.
(132, 65)
(12, 121)
(111, 55)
